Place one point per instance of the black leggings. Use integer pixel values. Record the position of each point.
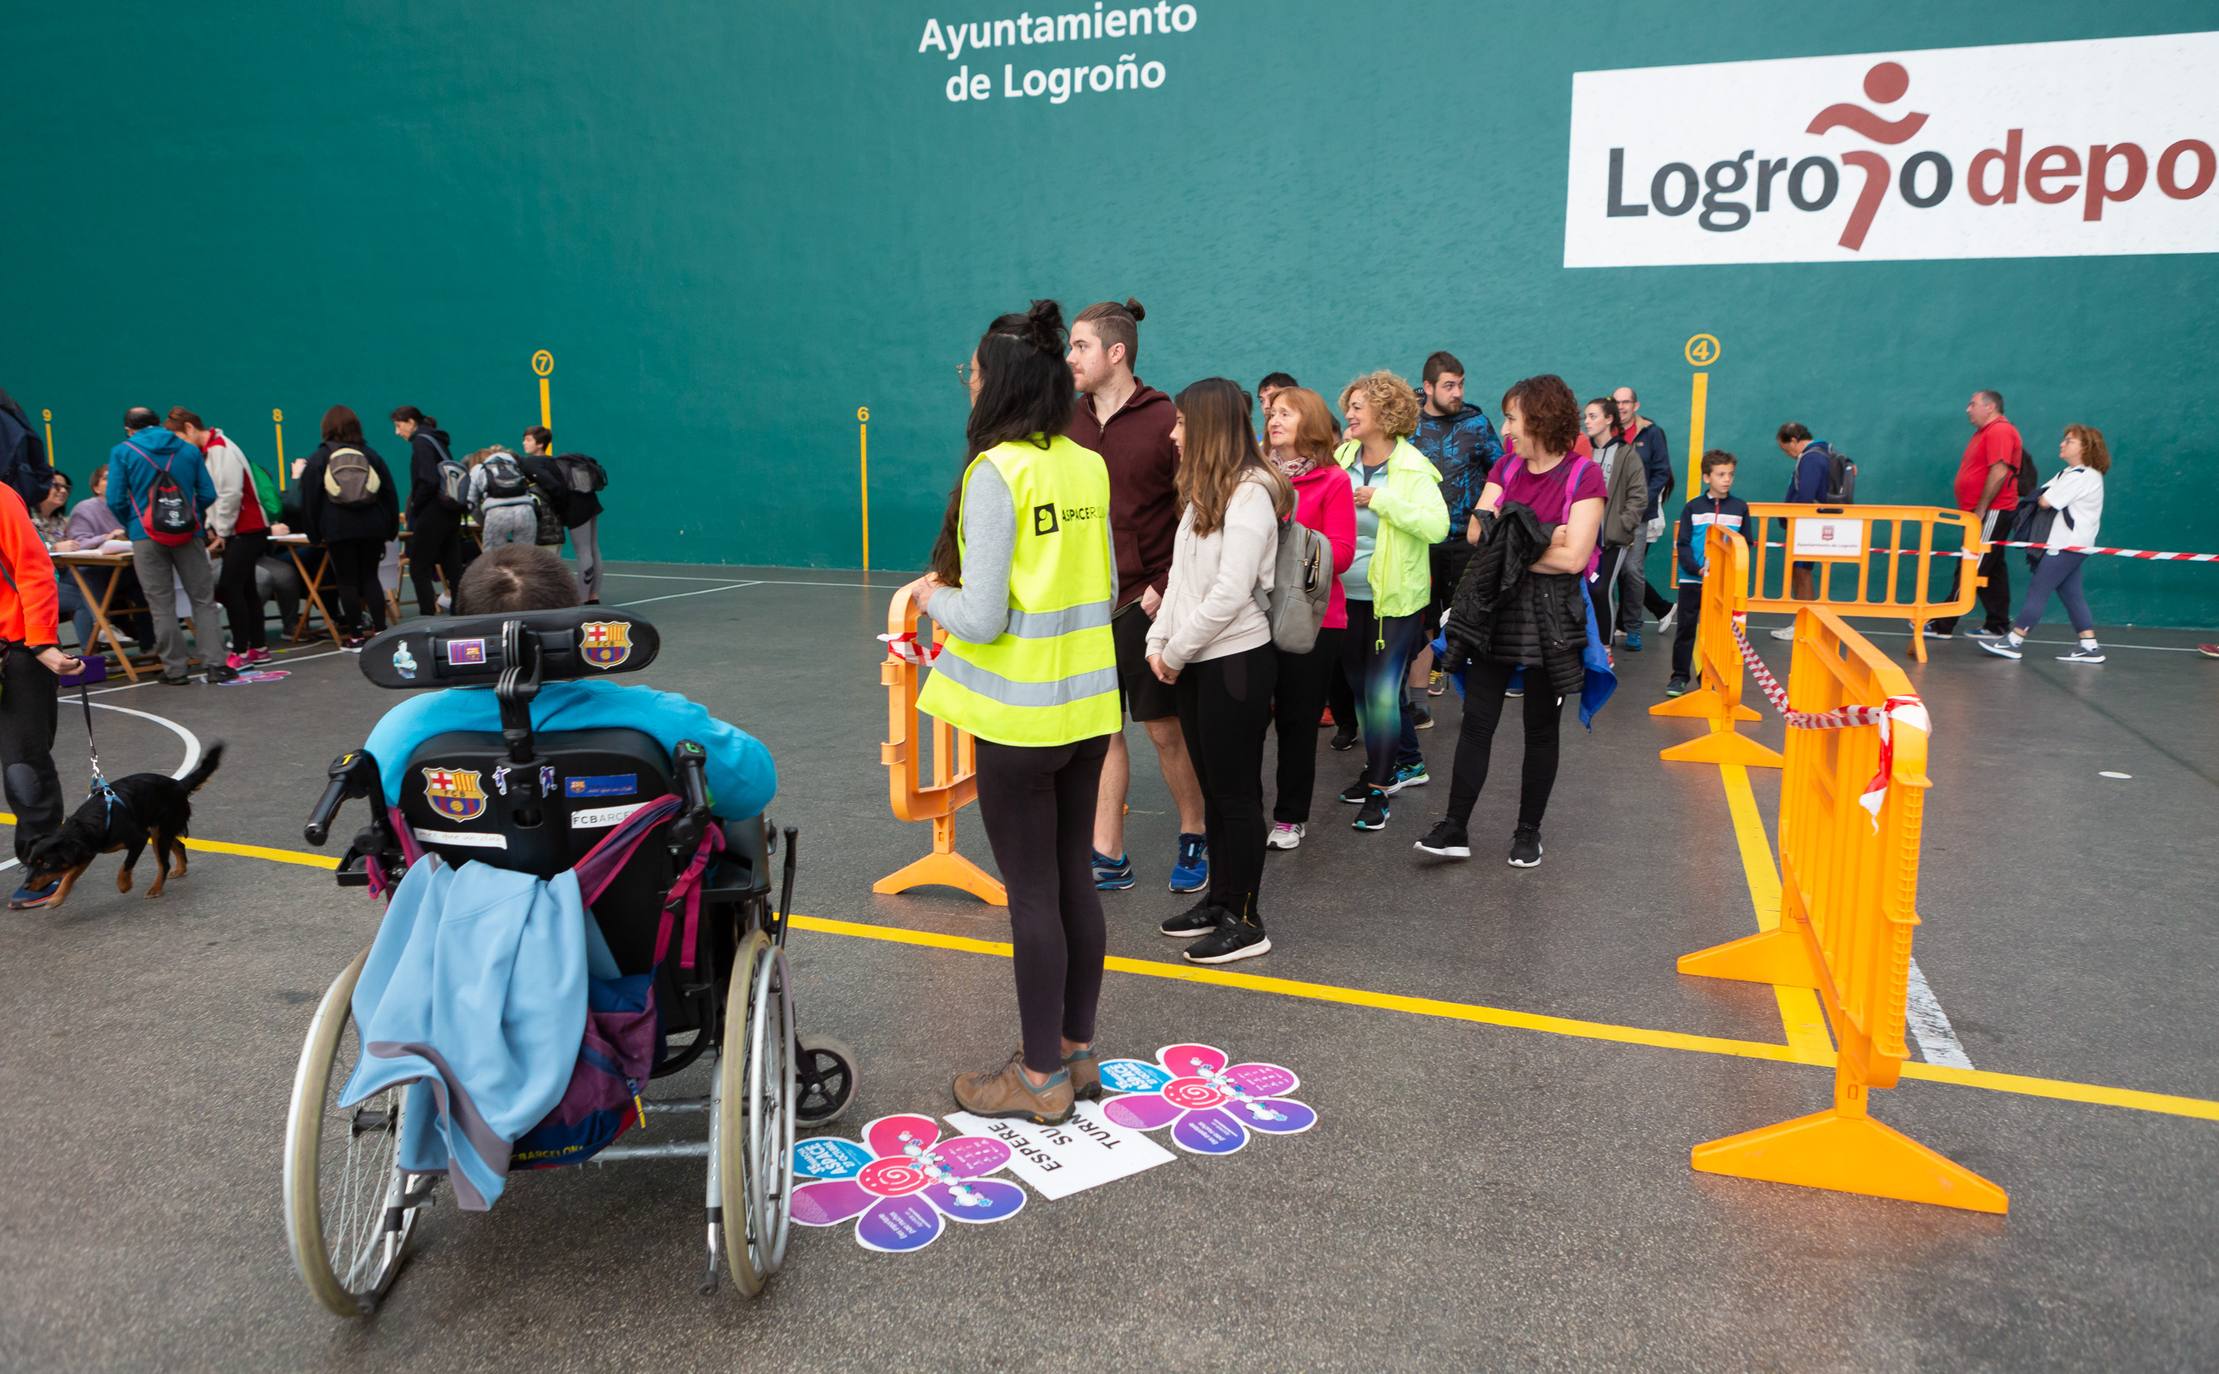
(1038, 807)
(235, 590)
(354, 583)
(29, 713)
(1224, 706)
(435, 550)
(1484, 684)
(1304, 680)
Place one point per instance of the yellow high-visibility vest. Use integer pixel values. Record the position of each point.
(1051, 678)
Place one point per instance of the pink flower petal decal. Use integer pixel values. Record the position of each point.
(1144, 1112)
(1211, 1108)
(830, 1203)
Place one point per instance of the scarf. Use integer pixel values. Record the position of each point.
(1291, 468)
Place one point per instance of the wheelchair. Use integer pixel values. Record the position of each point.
(538, 803)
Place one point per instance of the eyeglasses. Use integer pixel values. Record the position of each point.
(965, 371)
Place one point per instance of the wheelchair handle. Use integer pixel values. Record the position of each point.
(352, 774)
(692, 762)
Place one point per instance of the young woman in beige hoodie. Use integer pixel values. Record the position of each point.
(1212, 643)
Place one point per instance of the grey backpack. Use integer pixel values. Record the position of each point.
(1301, 587)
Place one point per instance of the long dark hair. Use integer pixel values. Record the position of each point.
(1025, 395)
(422, 420)
(1219, 451)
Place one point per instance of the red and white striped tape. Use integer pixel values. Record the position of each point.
(906, 647)
(1908, 710)
(2153, 555)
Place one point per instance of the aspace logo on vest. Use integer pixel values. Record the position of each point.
(2027, 150)
(1047, 519)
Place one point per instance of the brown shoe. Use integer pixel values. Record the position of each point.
(1008, 1093)
(1086, 1074)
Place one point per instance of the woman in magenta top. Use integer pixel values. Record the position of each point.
(1298, 438)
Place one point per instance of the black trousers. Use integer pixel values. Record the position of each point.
(1995, 565)
(1224, 705)
(354, 583)
(1304, 680)
(235, 590)
(1038, 807)
(435, 551)
(1691, 619)
(29, 711)
(1484, 685)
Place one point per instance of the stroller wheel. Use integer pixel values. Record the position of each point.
(826, 1068)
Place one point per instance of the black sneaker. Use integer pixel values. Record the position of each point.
(1676, 687)
(221, 672)
(1356, 791)
(1233, 939)
(1525, 847)
(1375, 812)
(1421, 715)
(1447, 840)
(1343, 741)
(1199, 919)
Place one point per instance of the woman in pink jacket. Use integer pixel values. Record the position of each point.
(1298, 438)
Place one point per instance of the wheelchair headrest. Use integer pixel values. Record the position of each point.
(581, 642)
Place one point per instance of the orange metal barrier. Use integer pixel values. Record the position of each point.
(1890, 550)
(1848, 892)
(1718, 663)
(954, 777)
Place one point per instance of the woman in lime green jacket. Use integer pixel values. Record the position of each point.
(1399, 517)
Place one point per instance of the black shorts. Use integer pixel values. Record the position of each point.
(1145, 696)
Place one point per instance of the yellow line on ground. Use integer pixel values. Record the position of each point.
(1801, 1016)
(2025, 1085)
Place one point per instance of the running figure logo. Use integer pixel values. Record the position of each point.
(606, 643)
(1885, 84)
(454, 793)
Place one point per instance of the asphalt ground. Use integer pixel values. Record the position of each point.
(1507, 1069)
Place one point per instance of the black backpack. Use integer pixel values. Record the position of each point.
(581, 472)
(1841, 478)
(504, 476)
(23, 463)
(454, 479)
(168, 515)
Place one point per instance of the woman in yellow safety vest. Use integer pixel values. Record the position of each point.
(1023, 580)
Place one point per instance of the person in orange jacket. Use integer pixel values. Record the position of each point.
(30, 665)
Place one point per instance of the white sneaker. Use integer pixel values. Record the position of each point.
(1286, 835)
(1785, 634)
(2084, 653)
(1671, 618)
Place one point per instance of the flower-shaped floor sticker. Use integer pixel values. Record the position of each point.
(1210, 1106)
(900, 1180)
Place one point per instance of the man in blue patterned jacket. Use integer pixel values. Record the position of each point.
(1461, 443)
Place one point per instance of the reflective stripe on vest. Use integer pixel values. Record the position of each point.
(1051, 677)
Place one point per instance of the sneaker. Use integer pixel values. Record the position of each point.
(1086, 1074)
(1112, 875)
(1671, 618)
(1199, 919)
(1517, 686)
(258, 657)
(1408, 775)
(1676, 687)
(1633, 641)
(1421, 715)
(1190, 872)
(1355, 793)
(1345, 740)
(1436, 683)
(1375, 812)
(1514, 691)
(1007, 1093)
(1447, 840)
(1984, 636)
(1932, 633)
(1525, 847)
(1785, 634)
(2208, 650)
(352, 644)
(221, 672)
(27, 896)
(1286, 835)
(236, 661)
(1233, 939)
(2001, 648)
(2084, 653)
(182, 680)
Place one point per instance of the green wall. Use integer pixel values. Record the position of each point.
(735, 223)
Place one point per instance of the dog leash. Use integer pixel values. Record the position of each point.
(92, 748)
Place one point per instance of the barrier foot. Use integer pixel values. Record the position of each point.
(944, 870)
(1849, 1152)
(1724, 746)
(1701, 704)
(1780, 956)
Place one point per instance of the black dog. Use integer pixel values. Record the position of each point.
(147, 807)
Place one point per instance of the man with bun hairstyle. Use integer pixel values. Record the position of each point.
(1129, 423)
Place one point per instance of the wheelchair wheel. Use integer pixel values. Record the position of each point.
(770, 1111)
(828, 1080)
(348, 1209)
(736, 1170)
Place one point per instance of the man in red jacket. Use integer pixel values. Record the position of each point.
(1129, 424)
(1987, 486)
(29, 665)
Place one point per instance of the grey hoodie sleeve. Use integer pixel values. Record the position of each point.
(978, 611)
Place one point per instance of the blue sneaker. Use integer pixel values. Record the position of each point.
(1112, 875)
(1633, 641)
(1192, 871)
(27, 896)
(1408, 775)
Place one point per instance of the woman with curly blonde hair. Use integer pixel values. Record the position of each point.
(1399, 517)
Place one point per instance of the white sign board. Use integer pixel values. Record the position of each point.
(2103, 146)
(1816, 536)
(1056, 1161)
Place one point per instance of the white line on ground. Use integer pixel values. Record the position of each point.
(153, 677)
(699, 591)
(1930, 1024)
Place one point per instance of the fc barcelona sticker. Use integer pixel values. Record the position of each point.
(605, 643)
(454, 793)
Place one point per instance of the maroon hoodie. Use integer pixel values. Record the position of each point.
(1144, 484)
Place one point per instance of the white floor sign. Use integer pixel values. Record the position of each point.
(1057, 1161)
